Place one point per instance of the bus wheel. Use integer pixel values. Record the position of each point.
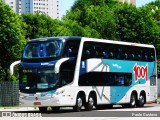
(141, 101)
(89, 105)
(55, 109)
(79, 103)
(132, 103)
(43, 109)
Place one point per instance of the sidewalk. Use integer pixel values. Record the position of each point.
(18, 109)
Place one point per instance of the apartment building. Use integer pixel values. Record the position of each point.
(49, 7)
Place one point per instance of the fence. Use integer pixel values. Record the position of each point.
(9, 93)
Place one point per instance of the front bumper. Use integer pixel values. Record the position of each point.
(38, 103)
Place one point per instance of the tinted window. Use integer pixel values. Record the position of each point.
(42, 50)
(105, 79)
(119, 52)
(71, 48)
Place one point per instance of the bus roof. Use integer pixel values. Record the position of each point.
(117, 42)
(90, 39)
(56, 38)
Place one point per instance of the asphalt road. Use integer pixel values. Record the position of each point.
(149, 110)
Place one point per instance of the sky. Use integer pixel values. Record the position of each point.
(65, 5)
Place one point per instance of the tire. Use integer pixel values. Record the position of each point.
(55, 109)
(133, 100)
(79, 103)
(141, 101)
(43, 109)
(89, 105)
(132, 103)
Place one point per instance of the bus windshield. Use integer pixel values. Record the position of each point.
(47, 49)
(38, 79)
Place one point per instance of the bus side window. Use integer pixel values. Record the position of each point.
(86, 54)
(119, 53)
(125, 53)
(88, 51)
(132, 56)
(72, 51)
(71, 48)
(144, 54)
(151, 55)
(100, 52)
(111, 53)
(145, 57)
(105, 54)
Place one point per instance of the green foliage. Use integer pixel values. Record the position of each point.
(94, 15)
(136, 25)
(39, 25)
(11, 37)
(12, 78)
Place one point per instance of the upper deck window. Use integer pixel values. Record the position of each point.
(71, 48)
(42, 49)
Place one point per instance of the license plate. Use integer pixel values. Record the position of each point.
(37, 103)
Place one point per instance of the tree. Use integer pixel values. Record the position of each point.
(96, 15)
(136, 24)
(11, 38)
(40, 25)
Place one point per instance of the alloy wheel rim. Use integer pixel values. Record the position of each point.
(91, 102)
(79, 102)
(133, 100)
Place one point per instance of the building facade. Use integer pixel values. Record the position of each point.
(129, 1)
(12, 4)
(49, 7)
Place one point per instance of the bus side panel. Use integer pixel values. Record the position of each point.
(117, 74)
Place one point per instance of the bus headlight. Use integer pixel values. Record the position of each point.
(59, 92)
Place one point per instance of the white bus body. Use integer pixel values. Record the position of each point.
(99, 73)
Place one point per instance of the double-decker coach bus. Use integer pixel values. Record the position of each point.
(79, 71)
